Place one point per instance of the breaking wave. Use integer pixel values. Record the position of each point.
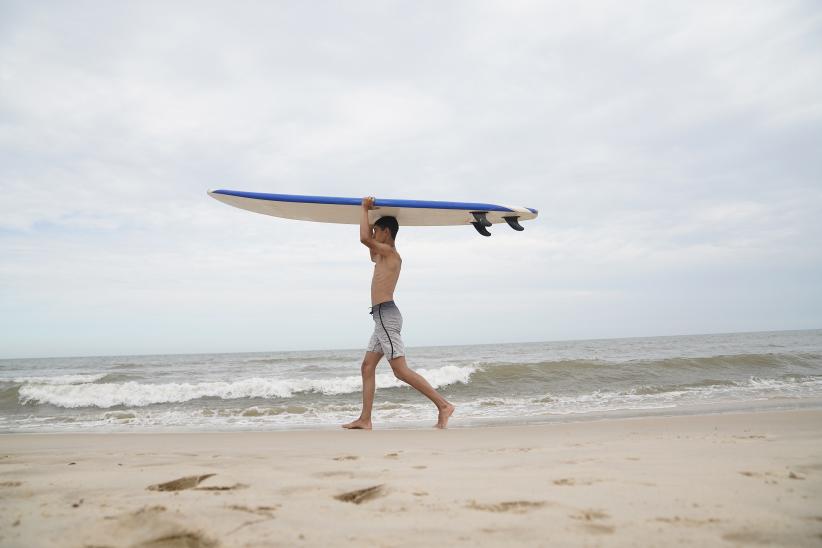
(135, 394)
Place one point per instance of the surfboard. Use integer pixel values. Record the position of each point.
(333, 209)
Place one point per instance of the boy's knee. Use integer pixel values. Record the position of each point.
(368, 367)
(401, 372)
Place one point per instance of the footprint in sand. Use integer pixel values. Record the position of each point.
(572, 481)
(361, 495)
(770, 477)
(192, 482)
(347, 457)
(598, 528)
(261, 510)
(180, 484)
(693, 522)
(578, 461)
(189, 540)
(589, 517)
(150, 527)
(515, 506)
(333, 473)
(222, 487)
(392, 455)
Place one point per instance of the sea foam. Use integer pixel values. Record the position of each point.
(135, 394)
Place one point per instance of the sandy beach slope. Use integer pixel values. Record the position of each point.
(743, 479)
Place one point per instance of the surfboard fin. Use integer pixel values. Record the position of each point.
(480, 217)
(481, 229)
(513, 222)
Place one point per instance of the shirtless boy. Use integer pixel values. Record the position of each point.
(386, 340)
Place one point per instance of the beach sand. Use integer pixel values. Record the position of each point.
(742, 479)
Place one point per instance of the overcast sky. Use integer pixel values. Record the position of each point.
(674, 151)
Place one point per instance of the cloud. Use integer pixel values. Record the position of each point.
(669, 149)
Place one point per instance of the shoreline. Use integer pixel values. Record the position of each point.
(712, 408)
(731, 479)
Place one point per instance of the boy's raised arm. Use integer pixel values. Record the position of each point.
(365, 228)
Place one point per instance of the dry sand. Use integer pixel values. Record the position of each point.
(744, 479)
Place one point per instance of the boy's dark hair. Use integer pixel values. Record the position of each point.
(391, 224)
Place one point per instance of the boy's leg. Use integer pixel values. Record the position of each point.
(369, 384)
(405, 374)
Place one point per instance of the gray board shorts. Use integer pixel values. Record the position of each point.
(386, 338)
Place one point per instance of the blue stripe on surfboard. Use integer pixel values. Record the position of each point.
(380, 202)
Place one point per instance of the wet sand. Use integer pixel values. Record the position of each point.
(737, 479)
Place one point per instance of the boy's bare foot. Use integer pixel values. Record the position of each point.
(358, 424)
(445, 412)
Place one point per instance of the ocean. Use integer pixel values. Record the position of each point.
(518, 383)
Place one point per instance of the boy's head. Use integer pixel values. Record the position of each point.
(386, 227)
